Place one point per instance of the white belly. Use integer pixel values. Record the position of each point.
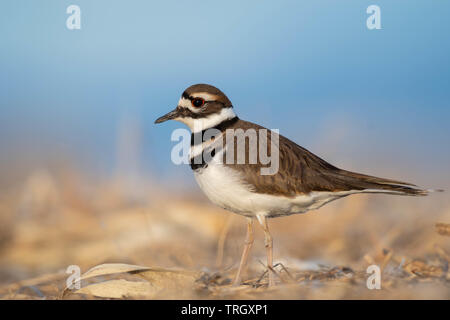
(223, 186)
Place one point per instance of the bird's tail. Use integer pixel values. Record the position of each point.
(371, 184)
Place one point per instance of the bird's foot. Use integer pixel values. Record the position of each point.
(270, 272)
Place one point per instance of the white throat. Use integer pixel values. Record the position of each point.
(197, 125)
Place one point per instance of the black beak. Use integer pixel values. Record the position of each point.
(169, 116)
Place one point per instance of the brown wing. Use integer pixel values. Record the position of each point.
(300, 172)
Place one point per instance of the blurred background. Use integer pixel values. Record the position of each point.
(83, 167)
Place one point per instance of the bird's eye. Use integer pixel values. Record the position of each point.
(198, 102)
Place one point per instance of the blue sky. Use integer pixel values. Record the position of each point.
(310, 68)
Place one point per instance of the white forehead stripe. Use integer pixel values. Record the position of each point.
(205, 96)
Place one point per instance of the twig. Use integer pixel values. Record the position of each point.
(443, 229)
(222, 238)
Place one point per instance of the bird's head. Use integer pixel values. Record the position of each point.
(200, 107)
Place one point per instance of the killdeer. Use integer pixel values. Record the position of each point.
(301, 182)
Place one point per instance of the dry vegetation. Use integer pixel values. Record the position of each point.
(173, 248)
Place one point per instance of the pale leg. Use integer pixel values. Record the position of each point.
(248, 245)
(268, 242)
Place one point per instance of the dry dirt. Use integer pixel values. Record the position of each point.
(166, 246)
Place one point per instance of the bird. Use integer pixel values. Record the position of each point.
(300, 182)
